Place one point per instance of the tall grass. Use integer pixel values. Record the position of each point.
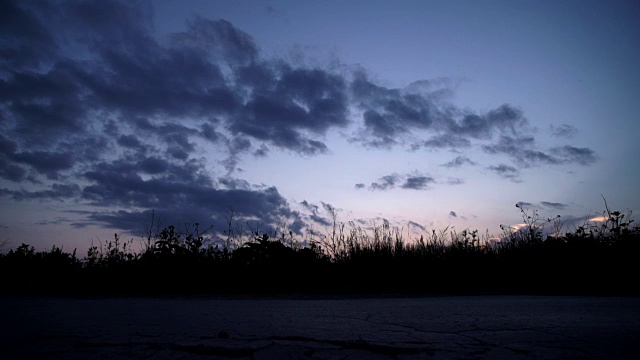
(593, 258)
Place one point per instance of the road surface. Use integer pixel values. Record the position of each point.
(470, 327)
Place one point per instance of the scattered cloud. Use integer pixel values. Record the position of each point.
(524, 204)
(455, 181)
(314, 213)
(453, 214)
(564, 131)
(417, 182)
(55, 192)
(521, 150)
(443, 141)
(506, 172)
(385, 183)
(415, 224)
(458, 162)
(553, 205)
(96, 109)
(414, 181)
(569, 154)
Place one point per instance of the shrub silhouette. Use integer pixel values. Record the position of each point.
(595, 258)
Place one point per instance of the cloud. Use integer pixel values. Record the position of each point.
(385, 183)
(414, 181)
(522, 150)
(506, 172)
(49, 164)
(525, 204)
(443, 141)
(554, 205)
(182, 203)
(55, 192)
(291, 104)
(458, 162)
(564, 131)
(92, 96)
(388, 113)
(262, 151)
(218, 37)
(98, 110)
(415, 224)
(455, 181)
(315, 213)
(570, 154)
(417, 182)
(26, 41)
(360, 186)
(453, 214)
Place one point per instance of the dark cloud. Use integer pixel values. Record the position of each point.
(443, 141)
(570, 154)
(417, 182)
(55, 192)
(458, 162)
(314, 211)
(106, 69)
(153, 165)
(360, 186)
(234, 183)
(7, 147)
(506, 118)
(510, 145)
(564, 131)
(453, 214)
(389, 113)
(393, 116)
(415, 224)
(262, 151)
(47, 163)
(524, 204)
(385, 183)
(219, 38)
(11, 171)
(506, 172)
(330, 209)
(130, 141)
(455, 181)
(26, 42)
(522, 150)
(288, 104)
(178, 202)
(209, 132)
(553, 205)
(95, 108)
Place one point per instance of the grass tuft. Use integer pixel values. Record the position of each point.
(597, 257)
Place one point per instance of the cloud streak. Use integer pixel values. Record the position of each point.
(414, 181)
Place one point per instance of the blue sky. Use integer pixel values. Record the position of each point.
(437, 113)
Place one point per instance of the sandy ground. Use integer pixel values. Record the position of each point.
(491, 327)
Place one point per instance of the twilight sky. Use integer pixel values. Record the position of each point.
(424, 113)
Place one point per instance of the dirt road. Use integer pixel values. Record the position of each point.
(477, 327)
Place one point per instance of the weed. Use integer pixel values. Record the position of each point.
(597, 257)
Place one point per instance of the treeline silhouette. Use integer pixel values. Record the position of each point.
(598, 258)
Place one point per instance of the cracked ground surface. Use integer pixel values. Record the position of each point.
(471, 327)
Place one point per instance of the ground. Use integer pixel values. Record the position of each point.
(465, 327)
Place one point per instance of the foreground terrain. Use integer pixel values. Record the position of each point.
(471, 327)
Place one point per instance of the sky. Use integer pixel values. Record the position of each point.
(423, 114)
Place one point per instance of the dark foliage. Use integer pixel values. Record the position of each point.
(595, 258)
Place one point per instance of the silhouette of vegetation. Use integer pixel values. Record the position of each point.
(597, 257)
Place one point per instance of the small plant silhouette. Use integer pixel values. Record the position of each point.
(346, 259)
